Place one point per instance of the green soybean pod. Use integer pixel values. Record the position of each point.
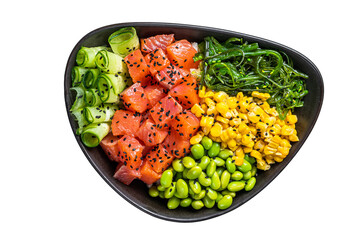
(214, 150)
(186, 202)
(166, 178)
(226, 192)
(188, 162)
(254, 171)
(206, 142)
(200, 195)
(211, 168)
(235, 186)
(247, 175)
(219, 161)
(225, 177)
(173, 203)
(216, 182)
(194, 172)
(225, 202)
(178, 165)
(219, 197)
(231, 167)
(208, 203)
(197, 151)
(195, 186)
(153, 191)
(205, 160)
(182, 188)
(236, 176)
(245, 167)
(197, 204)
(212, 194)
(169, 192)
(204, 180)
(220, 170)
(250, 184)
(225, 153)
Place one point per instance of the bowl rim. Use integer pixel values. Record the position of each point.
(200, 28)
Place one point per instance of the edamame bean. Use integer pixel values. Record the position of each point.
(197, 151)
(161, 188)
(225, 153)
(231, 167)
(173, 203)
(250, 184)
(197, 204)
(186, 202)
(206, 142)
(214, 150)
(212, 194)
(205, 160)
(188, 162)
(182, 188)
(161, 194)
(219, 197)
(169, 192)
(211, 168)
(220, 170)
(166, 178)
(249, 159)
(247, 175)
(204, 180)
(216, 182)
(178, 165)
(178, 176)
(225, 177)
(245, 167)
(200, 195)
(232, 194)
(153, 191)
(219, 161)
(184, 173)
(195, 186)
(225, 202)
(254, 170)
(208, 203)
(194, 172)
(235, 186)
(237, 175)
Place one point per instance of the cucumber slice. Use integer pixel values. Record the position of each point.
(86, 56)
(90, 77)
(79, 98)
(94, 133)
(77, 74)
(80, 119)
(110, 62)
(110, 86)
(124, 41)
(92, 97)
(101, 113)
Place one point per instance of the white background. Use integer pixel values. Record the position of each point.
(48, 189)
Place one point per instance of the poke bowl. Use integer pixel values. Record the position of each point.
(136, 192)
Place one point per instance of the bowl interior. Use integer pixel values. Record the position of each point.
(136, 193)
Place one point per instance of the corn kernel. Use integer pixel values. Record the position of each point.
(243, 128)
(209, 94)
(269, 150)
(283, 150)
(231, 132)
(232, 102)
(232, 143)
(240, 95)
(220, 96)
(278, 159)
(256, 154)
(222, 119)
(209, 102)
(238, 160)
(291, 119)
(224, 136)
(287, 130)
(196, 139)
(246, 139)
(253, 117)
(261, 126)
(223, 109)
(202, 92)
(204, 107)
(216, 130)
(235, 122)
(211, 110)
(247, 149)
(293, 138)
(197, 110)
(259, 145)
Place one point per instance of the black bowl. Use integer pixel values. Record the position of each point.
(137, 193)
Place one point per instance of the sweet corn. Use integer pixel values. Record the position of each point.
(238, 160)
(220, 96)
(222, 119)
(293, 138)
(209, 94)
(197, 110)
(232, 102)
(231, 132)
(262, 96)
(235, 122)
(223, 109)
(232, 143)
(209, 102)
(291, 119)
(196, 139)
(211, 110)
(202, 92)
(216, 130)
(287, 130)
(256, 154)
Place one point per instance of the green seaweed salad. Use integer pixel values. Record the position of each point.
(236, 65)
